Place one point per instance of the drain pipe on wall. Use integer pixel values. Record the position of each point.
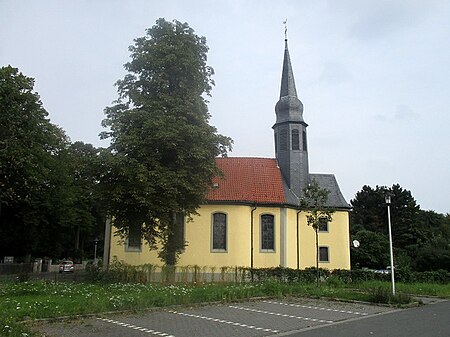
(251, 241)
(298, 224)
(298, 241)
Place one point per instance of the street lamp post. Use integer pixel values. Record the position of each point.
(388, 203)
(95, 250)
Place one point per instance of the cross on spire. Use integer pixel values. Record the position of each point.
(285, 29)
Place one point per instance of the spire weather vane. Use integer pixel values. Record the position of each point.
(285, 28)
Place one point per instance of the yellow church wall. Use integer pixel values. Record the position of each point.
(336, 239)
(199, 237)
(291, 238)
(199, 240)
(135, 258)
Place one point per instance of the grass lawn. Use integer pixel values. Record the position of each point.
(40, 299)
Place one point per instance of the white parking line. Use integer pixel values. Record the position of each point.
(317, 308)
(224, 321)
(281, 315)
(134, 327)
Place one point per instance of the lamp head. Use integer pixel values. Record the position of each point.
(387, 198)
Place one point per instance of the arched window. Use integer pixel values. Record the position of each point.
(295, 139)
(219, 232)
(267, 232)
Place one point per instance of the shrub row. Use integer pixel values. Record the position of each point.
(120, 272)
(349, 276)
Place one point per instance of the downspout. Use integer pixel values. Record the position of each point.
(298, 230)
(251, 241)
(298, 241)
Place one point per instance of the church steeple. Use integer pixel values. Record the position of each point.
(289, 107)
(290, 132)
(287, 77)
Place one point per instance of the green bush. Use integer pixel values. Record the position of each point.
(383, 295)
(379, 295)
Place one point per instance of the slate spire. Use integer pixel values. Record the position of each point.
(291, 148)
(289, 107)
(287, 77)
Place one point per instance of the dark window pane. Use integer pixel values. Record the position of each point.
(134, 236)
(219, 231)
(295, 140)
(267, 232)
(323, 225)
(323, 254)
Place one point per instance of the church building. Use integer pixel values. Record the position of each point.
(252, 216)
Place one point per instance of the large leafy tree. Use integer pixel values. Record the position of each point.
(86, 214)
(33, 182)
(162, 146)
(373, 251)
(421, 239)
(434, 254)
(370, 212)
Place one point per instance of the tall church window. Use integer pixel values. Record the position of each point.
(305, 148)
(219, 232)
(295, 139)
(134, 240)
(267, 232)
(283, 139)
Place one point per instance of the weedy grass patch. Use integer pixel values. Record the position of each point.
(44, 299)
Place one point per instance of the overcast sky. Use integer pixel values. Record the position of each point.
(374, 76)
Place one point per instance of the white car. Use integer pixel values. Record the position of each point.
(66, 266)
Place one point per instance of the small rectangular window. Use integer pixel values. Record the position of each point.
(324, 254)
(323, 225)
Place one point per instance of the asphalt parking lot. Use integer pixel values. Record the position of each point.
(253, 318)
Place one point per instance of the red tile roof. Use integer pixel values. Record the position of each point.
(255, 180)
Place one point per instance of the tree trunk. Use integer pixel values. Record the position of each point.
(171, 255)
(171, 245)
(77, 238)
(317, 256)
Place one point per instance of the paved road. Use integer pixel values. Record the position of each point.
(301, 317)
(427, 321)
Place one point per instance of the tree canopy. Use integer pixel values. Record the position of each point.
(38, 198)
(162, 147)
